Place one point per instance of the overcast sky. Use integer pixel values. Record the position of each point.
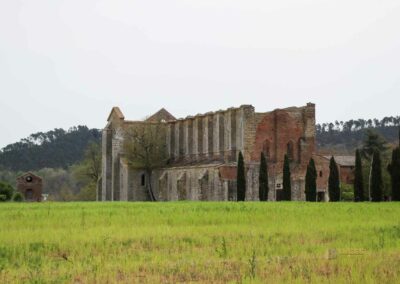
(68, 62)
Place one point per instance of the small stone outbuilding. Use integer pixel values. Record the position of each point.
(30, 186)
(346, 166)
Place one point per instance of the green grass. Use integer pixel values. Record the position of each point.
(199, 242)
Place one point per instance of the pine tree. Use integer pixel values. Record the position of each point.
(394, 170)
(263, 179)
(399, 137)
(241, 179)
(373, 142)
(334, 181)
(311, 182)
(287, 184)
(358, 179)
(376, 178)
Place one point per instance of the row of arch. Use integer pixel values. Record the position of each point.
(182, 188)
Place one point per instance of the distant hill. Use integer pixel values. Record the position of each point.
(60, 149)
(345, 137)
(54, 149)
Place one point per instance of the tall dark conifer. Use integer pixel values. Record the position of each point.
(394, 170)
(241, 179)
(263, 179)
(376, 178)
(311, 182)
(334, 181)
(358, 179)
(399, 137)
(287, 184)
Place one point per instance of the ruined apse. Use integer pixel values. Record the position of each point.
(203, 151)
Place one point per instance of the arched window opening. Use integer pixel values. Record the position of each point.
(289, 152)
(143, 181)
(267, 149)
(320, 174)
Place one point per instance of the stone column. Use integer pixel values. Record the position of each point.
(221, 131)
(173, 140)
(124, 181)
(233, 153)
(186, 139)
(200, 138)
(181, 134)
(195, 138)
(216, 149)
(227, 134)
(177, 141)
(168, 142)
(117, 143)
(239, 130)
(205, 136)
(210, 122)
(190, 138)
(106, 165)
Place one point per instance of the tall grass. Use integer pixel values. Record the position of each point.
(199, 242)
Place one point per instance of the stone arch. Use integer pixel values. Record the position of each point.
(182, 182)
(163, 187)
(203, 186)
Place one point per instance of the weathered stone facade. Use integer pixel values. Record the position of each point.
(203, 151)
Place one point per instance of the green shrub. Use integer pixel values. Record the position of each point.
(18, 197)
(6, 190)
(3, 198)
(347, 192)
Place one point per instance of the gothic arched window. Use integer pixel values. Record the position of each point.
(267, 149)
(143, 180)
(290, 150)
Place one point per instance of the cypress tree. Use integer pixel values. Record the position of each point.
(241, 179)
(311, 182)
(287, 184)
(334, 181)
(263, 179)
(358, 179)
(394, 170)
(376, 178)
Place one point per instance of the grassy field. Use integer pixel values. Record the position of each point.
(199, 242)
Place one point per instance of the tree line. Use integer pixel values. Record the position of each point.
(350, 134)
(53, 149)
(357, 125)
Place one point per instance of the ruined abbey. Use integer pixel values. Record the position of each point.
(202, 154)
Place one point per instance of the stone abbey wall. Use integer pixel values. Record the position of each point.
(215, 136)
(203, 151)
